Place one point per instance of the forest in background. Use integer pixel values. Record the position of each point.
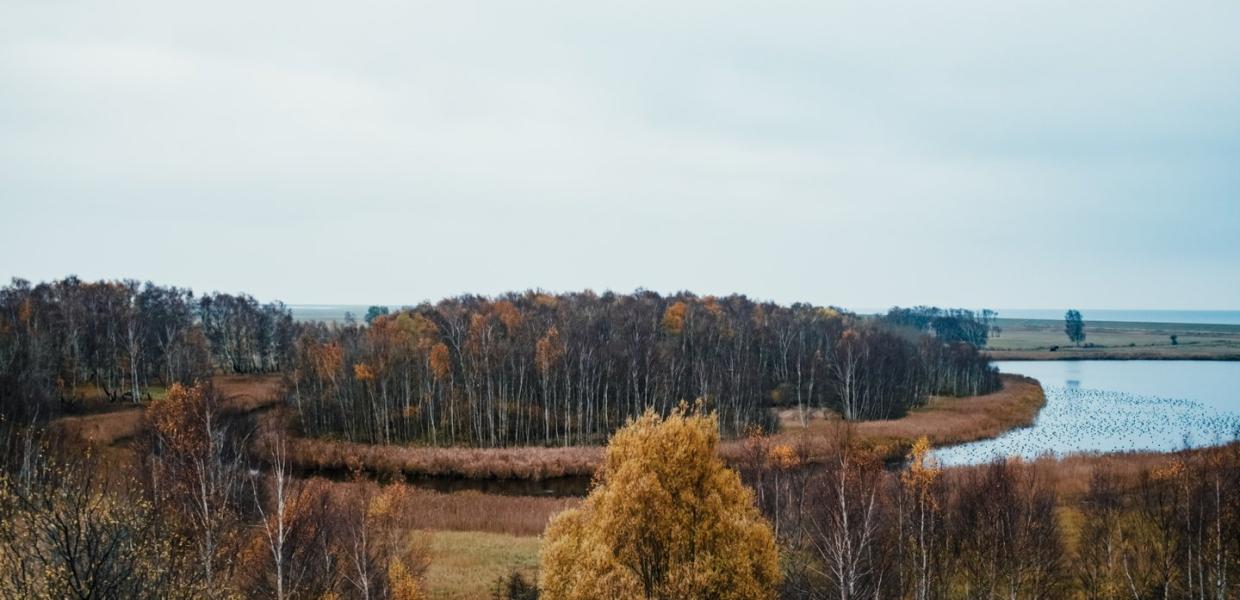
(535, 368)
(518, 369)
(68, 341)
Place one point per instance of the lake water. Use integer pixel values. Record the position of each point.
(1116, 406)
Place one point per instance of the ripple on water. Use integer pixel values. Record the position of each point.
(1089, 420)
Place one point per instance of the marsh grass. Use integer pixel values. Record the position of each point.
(394, 462)
(120, 422)
(943, 420)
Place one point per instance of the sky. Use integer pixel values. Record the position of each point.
(861, 154)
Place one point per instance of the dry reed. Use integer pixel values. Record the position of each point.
(425, 509)
(472, 463)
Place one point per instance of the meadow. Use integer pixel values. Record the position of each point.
(1033, 339)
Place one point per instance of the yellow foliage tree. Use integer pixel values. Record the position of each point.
(674, 317)
(404, 585)
(666, 520)
(918, 481)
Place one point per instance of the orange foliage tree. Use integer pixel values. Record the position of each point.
(666, 520)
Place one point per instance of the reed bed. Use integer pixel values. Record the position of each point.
(102, 429)
(248, 393)
(430, 510)
(944, 420)
(536, 463)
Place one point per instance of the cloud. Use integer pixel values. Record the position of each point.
(851, 153)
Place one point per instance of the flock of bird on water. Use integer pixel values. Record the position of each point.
(1077, 420)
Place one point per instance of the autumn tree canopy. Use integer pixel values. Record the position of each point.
(531, 368)
(64, 341)
(666, 520)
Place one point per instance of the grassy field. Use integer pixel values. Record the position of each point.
(1031, 339)
(466, 564)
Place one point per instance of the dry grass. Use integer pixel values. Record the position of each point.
(248, 393)
(944, 421)
(947, 421)
(464, 511)
(102, 429)
(1071, 474)
(467, 564)
(472, 463)
(475, 511)
(1031, 339)
(242, 394)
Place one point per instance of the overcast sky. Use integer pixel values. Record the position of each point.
(1007, 154)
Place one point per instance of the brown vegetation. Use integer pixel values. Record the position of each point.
(464, 511)
(944, 420)
(1120, 526)
(69, 346)
(102, 429)
(525, 369)
(240, 394)
(393, 462)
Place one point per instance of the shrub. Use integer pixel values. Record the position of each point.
(666, 520)
(514, 587)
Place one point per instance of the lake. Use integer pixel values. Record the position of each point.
(1117, 406)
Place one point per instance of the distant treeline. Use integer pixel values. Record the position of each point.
(69, 339)
(571, 368)
(521, 368)
(947, 324)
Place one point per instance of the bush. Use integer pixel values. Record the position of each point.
(514, 587)
(666, 520)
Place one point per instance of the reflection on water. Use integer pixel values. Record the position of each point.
(1108, 406)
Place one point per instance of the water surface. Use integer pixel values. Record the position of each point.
(1117, 406)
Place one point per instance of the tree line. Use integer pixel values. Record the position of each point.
(536, 368)
(67, 340)
(949, 325)
(521, 368)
